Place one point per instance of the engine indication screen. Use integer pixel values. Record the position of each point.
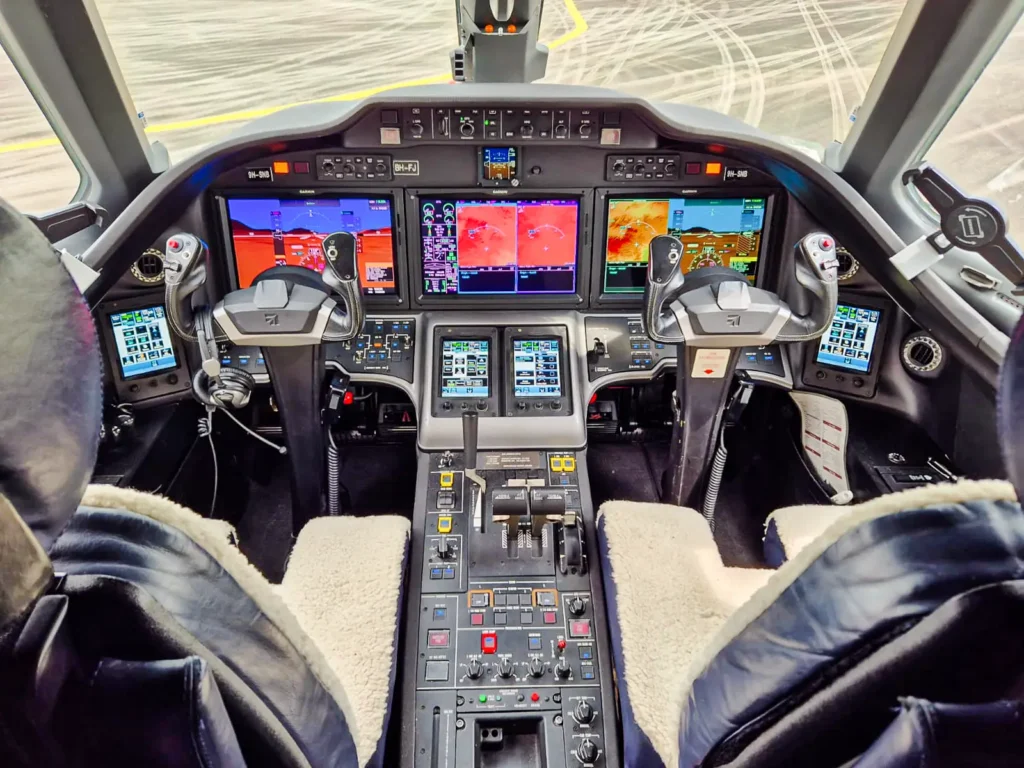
(143, 341)
(722, 232)
(269, 232)
(465, 368)
(478, 247)
(536, 367)
(850, 340)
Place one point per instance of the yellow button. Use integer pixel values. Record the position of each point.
(447, 479)
(569, 464)
(556, 464)
(444, 524)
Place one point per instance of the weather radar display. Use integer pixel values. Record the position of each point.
(715, 232)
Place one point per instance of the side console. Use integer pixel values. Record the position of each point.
(510, 666)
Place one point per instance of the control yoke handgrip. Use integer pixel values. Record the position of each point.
(816, 266)
(184, 274)
(341, 275)
(664, 282)
(469, 438)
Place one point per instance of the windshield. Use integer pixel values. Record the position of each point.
(798, 68)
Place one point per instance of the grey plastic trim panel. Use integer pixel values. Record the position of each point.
(505, 432)
(314, 336)
(986, 337)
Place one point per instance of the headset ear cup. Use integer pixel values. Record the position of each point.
(232, 387)
(236, 387)
(201, 388)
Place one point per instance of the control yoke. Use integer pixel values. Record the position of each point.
(288, 312)
(715, 308)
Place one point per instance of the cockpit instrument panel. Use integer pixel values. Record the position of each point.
(465, 368)
(715, 232)
(274, 231)
(499, 246)
(499, 166)
(536, 368)
(850, 340)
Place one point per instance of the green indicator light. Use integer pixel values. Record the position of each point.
(483, 698)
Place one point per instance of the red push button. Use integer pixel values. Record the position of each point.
(534, 696)
(550, 617)
(488, 642)
(579, 628)
(476, 619)
(826, 243)
(438, 638)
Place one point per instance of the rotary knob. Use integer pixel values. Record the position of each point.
(577, 606)
(561, 131)
(536, 667)
(583, 713)
(505, 668)
(586, 752)
(474, 669)
(527, 130)
(585, 130)
(467, 128)
(562, 669)
(416, 129)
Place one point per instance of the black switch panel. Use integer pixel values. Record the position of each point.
(353, 167)
(385, 347)
(642, 167)
(249, 359)
(618, 343)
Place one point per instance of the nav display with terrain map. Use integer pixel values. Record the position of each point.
(499, 246)
(714, 232)
(271, 232)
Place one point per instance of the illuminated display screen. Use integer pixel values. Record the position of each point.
(536, 368)
(499, 246)
(271, 232)
(715, 232)
(499, 163)
(849, 341)
(465, 368)
(143, 341)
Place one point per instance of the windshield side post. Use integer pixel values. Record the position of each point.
(62, 52)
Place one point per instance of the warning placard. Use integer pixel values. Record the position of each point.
(824, 431)
(710, 363)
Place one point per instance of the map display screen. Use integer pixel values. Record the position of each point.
(536, 368)
(270, 232)
(715, 232)
(465, 365)
(850, 340)
(475, 247)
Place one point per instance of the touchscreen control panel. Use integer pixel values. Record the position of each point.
(847, 358)
(466, 376)
(537, 380)
(145, 360)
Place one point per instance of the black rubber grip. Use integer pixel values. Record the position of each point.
(469, 430)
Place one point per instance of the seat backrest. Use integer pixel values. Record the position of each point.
(869, 580)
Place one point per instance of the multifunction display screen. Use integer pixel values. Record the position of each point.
(143, 341)
(715, 232)
(270, 232)
(536, 368)
(474, 247)
(850, 340)
(465, 368)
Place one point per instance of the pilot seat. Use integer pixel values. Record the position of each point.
(132, 630)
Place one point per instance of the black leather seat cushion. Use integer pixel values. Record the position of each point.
(208, 603)
(872, 584)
